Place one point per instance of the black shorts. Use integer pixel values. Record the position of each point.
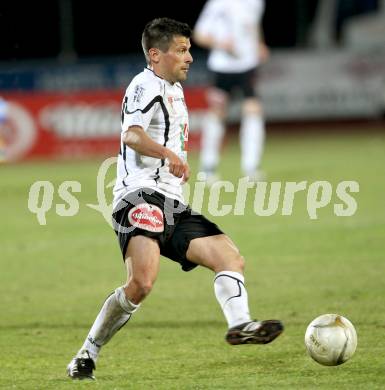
(244, 82)
(148, 213)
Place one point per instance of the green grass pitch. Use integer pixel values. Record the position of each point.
(54, 278)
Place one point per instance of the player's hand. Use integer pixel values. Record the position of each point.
(177, 166)
(228, 46)
(186, 174)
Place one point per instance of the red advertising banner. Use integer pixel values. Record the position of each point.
(64, 125)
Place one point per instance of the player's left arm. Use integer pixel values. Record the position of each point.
(208, 41)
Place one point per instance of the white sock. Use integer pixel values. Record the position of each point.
(115, 312)
(211, 141)
(232, 296)
(252, 138)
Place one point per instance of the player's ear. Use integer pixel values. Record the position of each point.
(154, 54)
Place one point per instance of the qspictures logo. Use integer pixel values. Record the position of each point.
(267, 198)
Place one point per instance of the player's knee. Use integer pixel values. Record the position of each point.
(142, 286)
(252, 107)
(239, 263)
(235, 263)
(216, 97)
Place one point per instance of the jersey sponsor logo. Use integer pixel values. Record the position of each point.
(147, 217)
(172, 99)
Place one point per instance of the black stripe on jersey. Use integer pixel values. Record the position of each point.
(156, 178)
(124, 151)
(122, 148)
(123, 109)
(164, 110)
(124, 159)
(157, 99)
(145, 109)
(166, 129)
(166, 132)
(166, 115)
(166, 121)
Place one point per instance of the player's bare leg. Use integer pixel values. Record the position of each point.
(220, 254)
(142, 262)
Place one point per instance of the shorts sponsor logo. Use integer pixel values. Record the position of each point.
(147, 217)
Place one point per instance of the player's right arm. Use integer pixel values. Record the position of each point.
(137, 139)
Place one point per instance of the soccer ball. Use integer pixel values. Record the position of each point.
(331, 339)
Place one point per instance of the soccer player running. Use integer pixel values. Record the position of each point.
(150, 217)
(231, 30)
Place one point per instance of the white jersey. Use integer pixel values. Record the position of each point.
(236, 21)
(159, 108)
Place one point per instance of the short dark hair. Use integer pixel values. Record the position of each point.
(160, 32)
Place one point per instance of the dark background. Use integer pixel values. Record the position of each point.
(45, 29)
(76, 29)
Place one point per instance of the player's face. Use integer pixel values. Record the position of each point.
(174, 64)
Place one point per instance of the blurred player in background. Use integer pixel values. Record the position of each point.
(231, 30)
(150, 216)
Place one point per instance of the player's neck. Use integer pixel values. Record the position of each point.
(159, 74)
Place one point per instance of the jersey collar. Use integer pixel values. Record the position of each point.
(159, 77)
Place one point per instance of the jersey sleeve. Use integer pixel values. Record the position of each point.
(139, 104)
